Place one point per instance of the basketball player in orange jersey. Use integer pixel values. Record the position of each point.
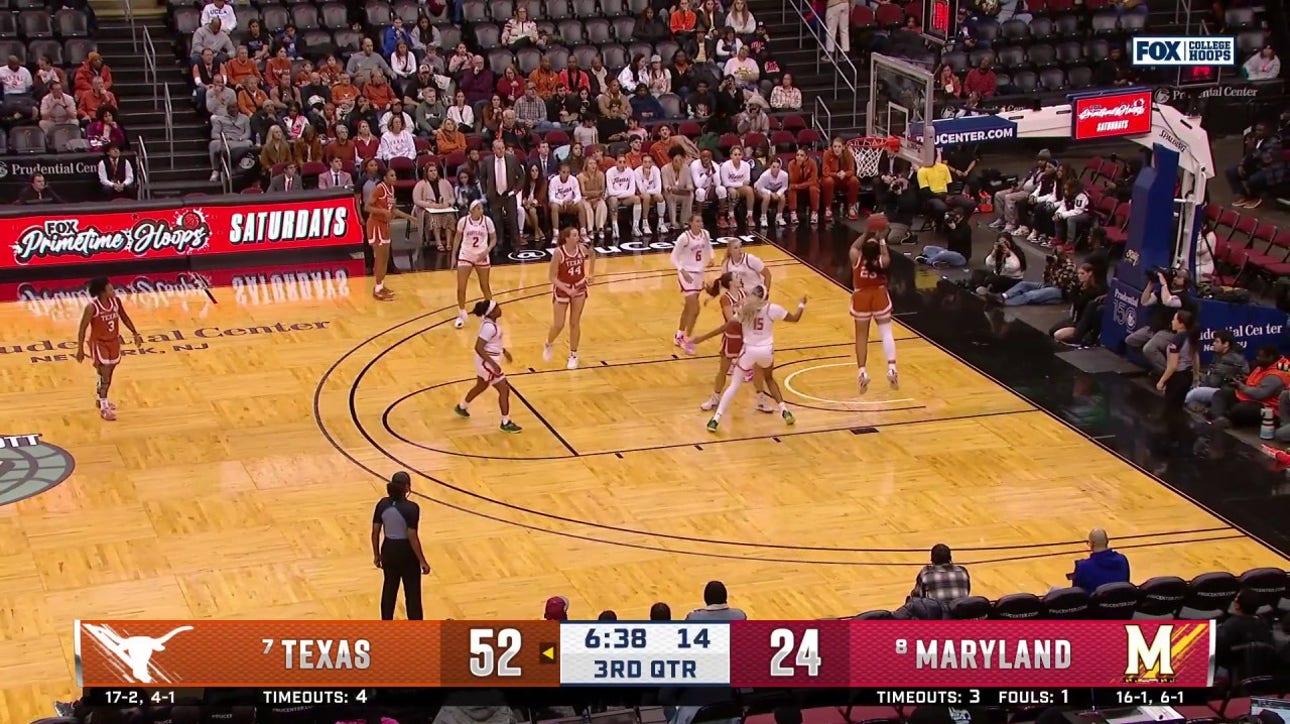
(870, 300)
(471, 246)
(572, 267)
(380, 210)
(489, 353)
(757, 318)
(730, 291)
(102, 319)
(691, 255)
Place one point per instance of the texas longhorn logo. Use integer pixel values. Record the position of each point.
(132, 653)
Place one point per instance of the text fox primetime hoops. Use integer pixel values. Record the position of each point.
(880, 662)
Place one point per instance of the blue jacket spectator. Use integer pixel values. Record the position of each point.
(1102, 566)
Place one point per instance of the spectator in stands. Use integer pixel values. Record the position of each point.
(592, 183)
(745, 70)
(752, 120)
(223, 11)
(533, 206)
(837, 26)
(477, 82)
(38, 192)
(367, 59)
(285, 94)
(730, 102)
(1263, 65)
(1006, 199)
(1111, 70)
(1072, 214)
(116, 175)
(1035, 212)
(725, 46)
(599, 76)
(683, 22)
(433, 199)
(341, 147)
(19, 100)
(784, 97)
(461, 113)
(449, 140)
(250, 97)
(56, 109)
(344, 92)
(104, 129)
(213, 37)
(520, 31)
(716, 605)
(420, 81)
(1060, 283)
(1242, 628)
(308, 148)
(288, 181)
(660, 612)
(678, 188)
(948, 83)
(404, 65)
(510, 86)
(429, 113)
(942, 580)
(205, 71)
(645, 107)
(563, 108)
(657, 78)
(394, 35)
(1103, 565)
(633, 75)
(396, 109)
(804, 178)
(336, 177)
(276, 150)
(545, 160)
(230, 138)
(240, 67)
(1083, 325)
(741, 20)
(397, 141)
(557, 609)
(839, 175)
(46, 75)
(1161, 298)
(1242, 405)
(1261, 169)
(294, 122)
(379, 93)
(982, 79)
(262, 120)
(615, 108)
(259, 46)
(650, 28)
(1228, 368)
(492, 116)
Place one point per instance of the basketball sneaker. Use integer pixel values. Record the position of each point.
(893, 378)
(108, 412)
(573, 361)
(461, 411)
(788, 418)
(712, 424)
(662, 226)
(546, 352)
(863, 381)
(711, 402)
(510, 427)
(687, 346)
(763, 403)
(460, 321)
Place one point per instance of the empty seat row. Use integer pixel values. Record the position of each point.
(1047, 80)
(33, 140)
(1208, 596)
(66, 54)
(32, 24)
(1247, 240)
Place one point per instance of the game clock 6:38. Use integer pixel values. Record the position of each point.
(638, 638)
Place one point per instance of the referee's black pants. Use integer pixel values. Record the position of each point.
(399, 564)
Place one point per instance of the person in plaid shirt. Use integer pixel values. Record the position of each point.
(943, 580)
(1059, 282)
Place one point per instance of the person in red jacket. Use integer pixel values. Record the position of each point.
(839, 174)
(92, 68)
(982, 80)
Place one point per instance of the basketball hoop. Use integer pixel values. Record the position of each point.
(869, 152)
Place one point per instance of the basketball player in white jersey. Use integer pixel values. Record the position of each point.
(471, 246)
(707, 183)
(620, 190)
(691, 255)
(729, 290)
(751, 271)
(758, 317)
(772, 189)
(649, 185)
(736, 179)
(489, 353)
(565, 197)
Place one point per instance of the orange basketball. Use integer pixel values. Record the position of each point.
(875, 223)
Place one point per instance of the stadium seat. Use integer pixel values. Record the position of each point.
(956, 60)
(350, 41)
(644, 50)
(1249, 42)
(1016, 606)
(613, 8)
(275, 17)
(474, 11)
(1239, 18)
(1079, 77)
(862, 17)
(623, 28)
(1133, 23)
(559, 56)
(1209, 596)
(1069, 604)
(305, 17)
(71, 23)
(1026, 81)
(62, 135)
(970, 608)
(636, 7)
(557, 10)
(334, 16)
(988, 30)
(889, 16)
(1067, 26)
(1016, 31)
(1096, 50)
(1010, 57)
(1041, 28)
(450, 36)
(528, 59)
(614, 56)
(585, 9)
(1052, 79)
(499, 59)
(1161, 596)
(599, 31)
(51, 49)
(672, 105)
(76, 50)
(1070, 53)
(487, 36)
(875, 616)
(35, 24)
(186, 21)
(501, 10)
(1269, 583)
(1114, 601)
(571, 31)
(27, 139)
(665, 49)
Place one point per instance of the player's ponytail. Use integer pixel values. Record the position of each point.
(482, 308)
(720, 283)
(871, 255)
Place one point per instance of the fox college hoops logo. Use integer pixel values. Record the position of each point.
(63, 238)
(29, 466)
(129, 657)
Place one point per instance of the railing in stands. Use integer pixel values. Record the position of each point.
(150, 67)
(170, 125)
(822, 118)
(800, 10)
(226, 158)
(141, 170)
(128, 10)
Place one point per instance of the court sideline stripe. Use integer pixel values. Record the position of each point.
(1060, 420)
(469, 511)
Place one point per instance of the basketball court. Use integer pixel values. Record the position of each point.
(257, 428)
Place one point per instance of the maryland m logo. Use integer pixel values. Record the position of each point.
(1149, 661)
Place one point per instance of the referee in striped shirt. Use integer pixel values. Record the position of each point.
(399, 556)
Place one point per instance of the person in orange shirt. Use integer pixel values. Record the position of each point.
(342, 148)
(683, 24)
(661, 150)
(634, 155)
(448, 139)
(344, 92)
(276, 65)
(543, 79)
(377, 91)
(87, 104)
(240, 66)
(92, 68)
(804, 177)
(250, 97)
(840, 175)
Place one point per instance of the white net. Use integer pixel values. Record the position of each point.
(869, 156)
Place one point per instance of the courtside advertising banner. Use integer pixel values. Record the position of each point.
(1111, 115)
(60, 236)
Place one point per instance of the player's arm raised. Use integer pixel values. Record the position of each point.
(129, 324)
(796, 315)
(884, 255)
(80, 333)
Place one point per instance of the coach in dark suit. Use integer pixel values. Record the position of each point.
(502, 177)
(288, 181)
(336, 177)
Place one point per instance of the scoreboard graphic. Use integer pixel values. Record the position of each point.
(896, 661)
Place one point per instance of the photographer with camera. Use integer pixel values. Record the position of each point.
(1164, 294)
(1060, 283)
(958, 234)
(1005, 267)
(1241, 404)
(1228, 368)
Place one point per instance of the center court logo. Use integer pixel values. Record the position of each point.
(29, 466)
(131, 656)
(627, 247)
